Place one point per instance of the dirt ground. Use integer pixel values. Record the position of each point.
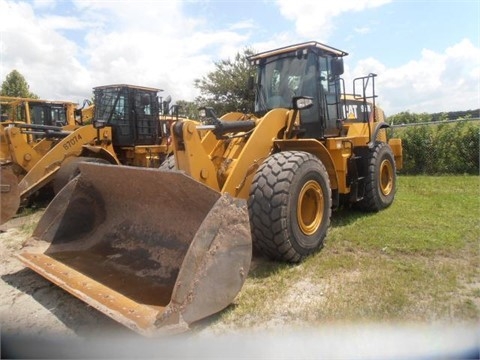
(31, 305)
(40, 320)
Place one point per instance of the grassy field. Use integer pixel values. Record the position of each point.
(417, 261)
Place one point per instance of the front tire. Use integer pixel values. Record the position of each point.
(290, 206)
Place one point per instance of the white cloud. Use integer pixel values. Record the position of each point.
(44, 3)
(149, 43)
(55, 22)
(435, 82)
(37, 51)
(362, 30)
(316, 19)
(243, 25)
(159, 47)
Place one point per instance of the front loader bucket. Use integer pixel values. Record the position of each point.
(152, 249)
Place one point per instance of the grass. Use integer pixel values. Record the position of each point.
(418, 260)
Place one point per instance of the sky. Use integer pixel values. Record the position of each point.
(426, 54)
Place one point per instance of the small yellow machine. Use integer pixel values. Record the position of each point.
(122, 127)
(157, 248)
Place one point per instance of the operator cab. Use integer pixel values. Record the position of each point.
(131, 111)
(47, 113)
(309, 69)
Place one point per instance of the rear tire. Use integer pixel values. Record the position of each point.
(290, 206)
(69, 170)
(381, 179)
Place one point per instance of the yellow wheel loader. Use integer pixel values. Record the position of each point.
(24, 124)
(122, 127)
(29, 114)
(162, 248)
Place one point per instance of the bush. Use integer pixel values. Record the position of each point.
(449, 148)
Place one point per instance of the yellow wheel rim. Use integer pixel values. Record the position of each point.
(386, 177)
(310, 207)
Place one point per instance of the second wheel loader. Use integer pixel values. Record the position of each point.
(123, 126)
(156, 248)
(24, 136)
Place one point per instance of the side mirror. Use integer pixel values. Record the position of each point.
(337, 66)
(99, 124)
(207, 112)
(207, 115)
(166, 105)
(302, 102)
(202, 112)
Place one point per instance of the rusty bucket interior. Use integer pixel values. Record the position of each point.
(152, 249)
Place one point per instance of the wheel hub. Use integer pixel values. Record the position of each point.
(310, 207)
(386, 177)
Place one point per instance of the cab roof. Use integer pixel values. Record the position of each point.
(290, 48)
(127, 86)
(12, 100)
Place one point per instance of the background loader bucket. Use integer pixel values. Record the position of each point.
(9, 194)
(152, 249)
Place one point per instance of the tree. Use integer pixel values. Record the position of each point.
(187, 109)
(225, 89)
(16, 85)
(418, 146)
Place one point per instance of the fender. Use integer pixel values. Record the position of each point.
(378, 127)
(316, 148)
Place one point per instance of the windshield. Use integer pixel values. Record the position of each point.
(109, 105)
(279, 79)
(59, 116)
(309, 74)
(48, 114)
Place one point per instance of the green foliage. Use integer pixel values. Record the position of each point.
(417, 147)
(452, 115)
(407, 117)
(225, 89)
(187, 109)
(451, 148)
(16, 85)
